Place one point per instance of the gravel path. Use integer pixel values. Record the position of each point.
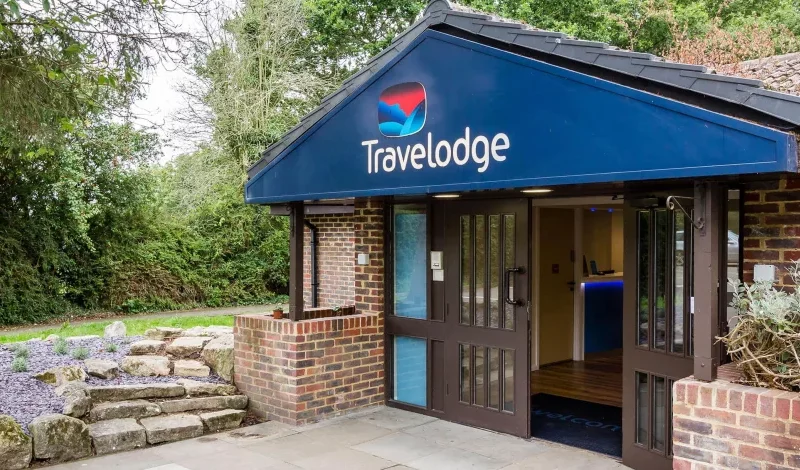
(24, 398)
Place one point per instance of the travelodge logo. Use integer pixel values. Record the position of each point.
(402, 111)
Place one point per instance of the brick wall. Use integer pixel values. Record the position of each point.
(726, 425)
(301, 372)
(771, 232)
(334, 260)
(369, 239)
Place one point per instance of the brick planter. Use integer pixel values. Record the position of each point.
(301, 372)
(726, 425)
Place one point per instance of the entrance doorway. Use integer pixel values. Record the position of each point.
(576, 382)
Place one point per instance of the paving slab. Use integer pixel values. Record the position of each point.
(399, 447)
(353, 442)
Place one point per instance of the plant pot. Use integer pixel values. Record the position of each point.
(277, 314)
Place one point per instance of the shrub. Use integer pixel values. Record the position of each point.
(112, 347)
(60, 346)
(22, 351)
(19, 364)
(764, 342)
(80, 353)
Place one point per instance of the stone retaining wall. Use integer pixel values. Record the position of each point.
(300, 372)
(725, 425)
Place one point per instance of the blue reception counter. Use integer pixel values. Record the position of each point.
(602, 313)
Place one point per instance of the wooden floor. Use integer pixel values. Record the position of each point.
(598, 379)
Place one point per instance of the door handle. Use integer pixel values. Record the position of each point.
(508, 274)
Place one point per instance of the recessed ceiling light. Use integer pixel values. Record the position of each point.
(537, 191)
(447, 196)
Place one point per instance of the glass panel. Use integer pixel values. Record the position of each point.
(661, 244)
(411, 370)
(466, 269)
(494, 378)
(410, 263)
(643, 276)
(659, 413)
(509, 261)
(678, 275)
(508, 376)
(466, 377)
(480, 270)
(480, 374)
(732, 240)
(641, 408)
(495, 275)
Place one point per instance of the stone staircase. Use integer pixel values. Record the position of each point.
(125, 417)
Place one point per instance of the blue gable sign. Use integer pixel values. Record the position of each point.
(448, 114)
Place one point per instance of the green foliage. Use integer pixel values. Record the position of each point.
(111, 347)
(134, 326)
(60, 347)
(19, 364)
(80, 353)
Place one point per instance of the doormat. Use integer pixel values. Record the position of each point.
(577, 423)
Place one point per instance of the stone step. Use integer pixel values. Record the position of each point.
(124, 409)
(145, 366)
(195, 388)
(187, 346)
(237, 402)
(134, 392)
(117, 435)
(146, 346)
(172, 428)
(222, 420)
(189, 368)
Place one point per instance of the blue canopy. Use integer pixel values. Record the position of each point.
(448, 114)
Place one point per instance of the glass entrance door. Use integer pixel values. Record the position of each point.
(487, 342)
(657, 327)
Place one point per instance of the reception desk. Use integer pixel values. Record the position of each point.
(602, 312)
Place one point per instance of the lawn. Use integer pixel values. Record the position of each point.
(135, 327)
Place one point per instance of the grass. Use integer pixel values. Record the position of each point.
(135, 327)
(111, 347)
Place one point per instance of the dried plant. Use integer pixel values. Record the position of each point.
(764, 342)
(722, 49)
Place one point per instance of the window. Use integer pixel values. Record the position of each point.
(410, 261)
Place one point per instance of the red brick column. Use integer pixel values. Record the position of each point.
(771, 226)
(369, 238)
(301, 372)
(722, 425)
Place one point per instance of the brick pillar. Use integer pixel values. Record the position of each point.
(772, 226)
(304, 371)
(368, 234)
